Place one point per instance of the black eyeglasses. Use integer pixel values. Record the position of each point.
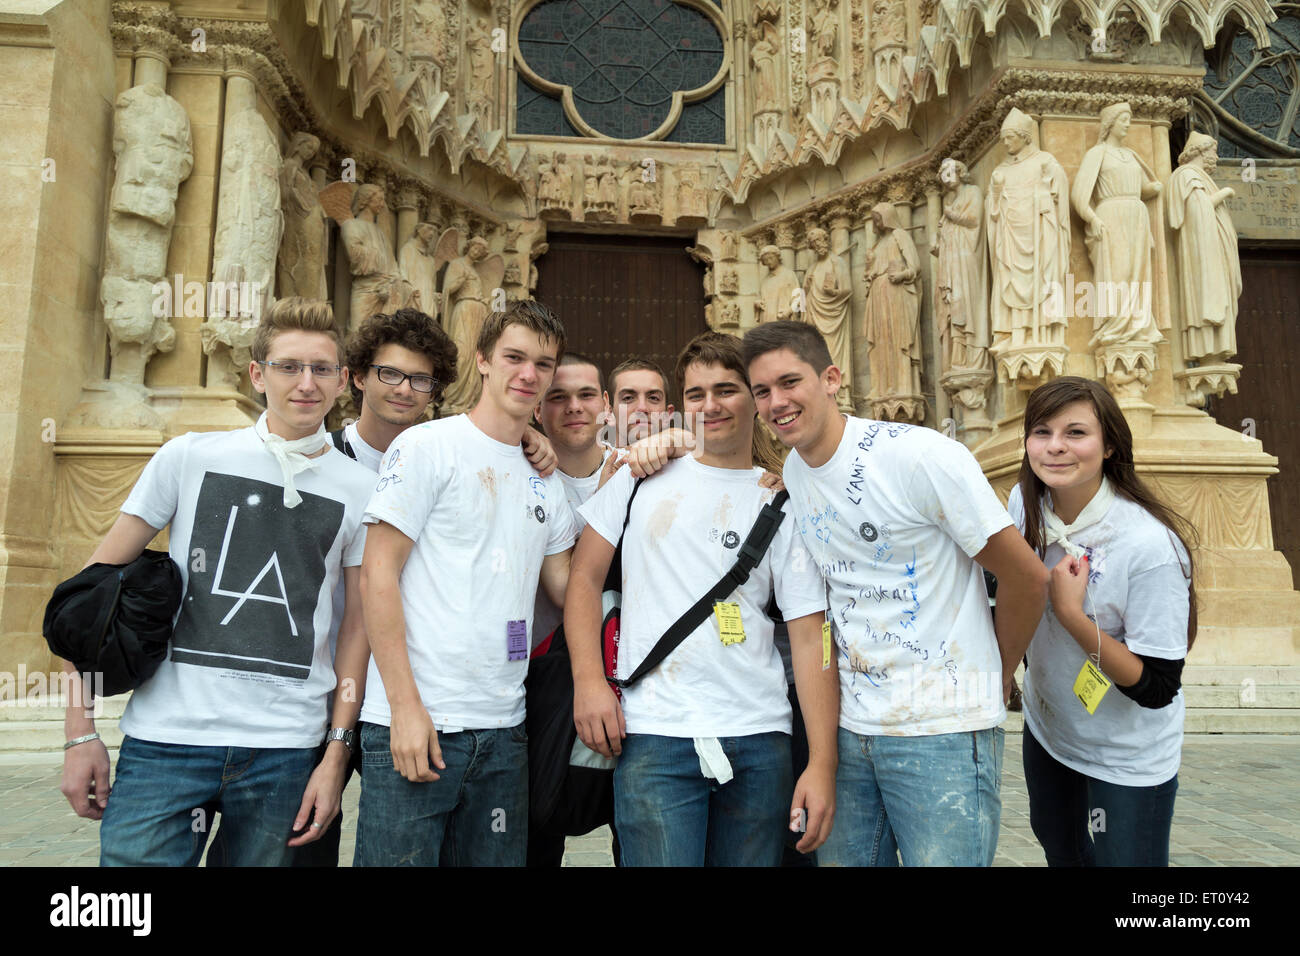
(395, 376)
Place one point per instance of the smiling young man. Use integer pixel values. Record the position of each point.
(461, 531)
(397, 366)
(641, 407)
(704, 776)
(900, 519)
(262, 521)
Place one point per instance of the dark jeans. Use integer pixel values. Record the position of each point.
(474, 814)
(166, 796)
(325, 851)
(1082, 821)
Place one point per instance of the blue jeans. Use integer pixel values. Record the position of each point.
(669, 814)
(934, 799)
(1082, 821)
(165, 798)
(474, 814)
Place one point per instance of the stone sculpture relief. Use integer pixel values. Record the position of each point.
(1027, 218)
(692, 196)
(555, 189)
(248, 230)
(779, 295)
(468, 287)
(1209, 269)
(764, 58)
(888, 43)
(154, 154)
(428, 32)
(482, 68)
(893, 323)
(827, 290)
(643, 203)
(377, 284)
(303, 248)
(418, 267)
(961, 298)
(1109, 194)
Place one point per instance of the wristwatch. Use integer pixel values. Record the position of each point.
(348, 737)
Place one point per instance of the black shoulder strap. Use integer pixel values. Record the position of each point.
(342, 444)
(614, 577)
(751, 553)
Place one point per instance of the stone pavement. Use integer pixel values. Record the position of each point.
(1236, 807)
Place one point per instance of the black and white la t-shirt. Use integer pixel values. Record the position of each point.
(249, 663)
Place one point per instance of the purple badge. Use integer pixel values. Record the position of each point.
(516, 640)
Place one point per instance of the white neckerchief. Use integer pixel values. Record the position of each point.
(292, 455)
(1056, 531)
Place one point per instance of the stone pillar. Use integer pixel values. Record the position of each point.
(408, 213)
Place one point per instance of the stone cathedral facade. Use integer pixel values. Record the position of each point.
(968, 197)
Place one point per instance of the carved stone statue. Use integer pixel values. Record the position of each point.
(418, 268)
(730, 244)
(428, 32)
(1109, 194)
(377, 285)
(536, 252)
(643, 196)
(961, 296)
(555, 193)
(827, 290)
(692, 198)
(608, 189)
(247, 240)
(155, 154)
(888, 42)
(778, 296)
(482, 68)
(468, 288)
(1028, 221)
(1209, 269)
(893, 317)
(301, 269)
(763, 57)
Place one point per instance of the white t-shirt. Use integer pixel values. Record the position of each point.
(369, 458)
(893, 520)
(1138, 594)
(687, 524)
(546, 616)
(482, 521)
(250, 663)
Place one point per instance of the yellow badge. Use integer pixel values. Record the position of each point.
(1090, 686)
(826, 645)
(730, 627)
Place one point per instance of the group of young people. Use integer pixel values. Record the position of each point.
(370, 599)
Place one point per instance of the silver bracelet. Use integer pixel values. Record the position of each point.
(80, 740)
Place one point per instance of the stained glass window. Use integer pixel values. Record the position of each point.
(623, 59)
(1260, 89)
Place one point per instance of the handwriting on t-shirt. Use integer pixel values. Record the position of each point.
(820, 521)
(872, 429)
(857, 474)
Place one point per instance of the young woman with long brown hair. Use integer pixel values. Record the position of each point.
(1102, 700)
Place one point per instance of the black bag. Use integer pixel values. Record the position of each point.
(579, 799)
(116, 619)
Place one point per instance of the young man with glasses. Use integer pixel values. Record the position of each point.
(262, 522)
(462, 530)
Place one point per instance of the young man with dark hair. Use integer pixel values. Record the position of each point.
(704, 776)
(900, 519)
(461, 531)
(639, 390)
(262, 521)
(398, 365)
